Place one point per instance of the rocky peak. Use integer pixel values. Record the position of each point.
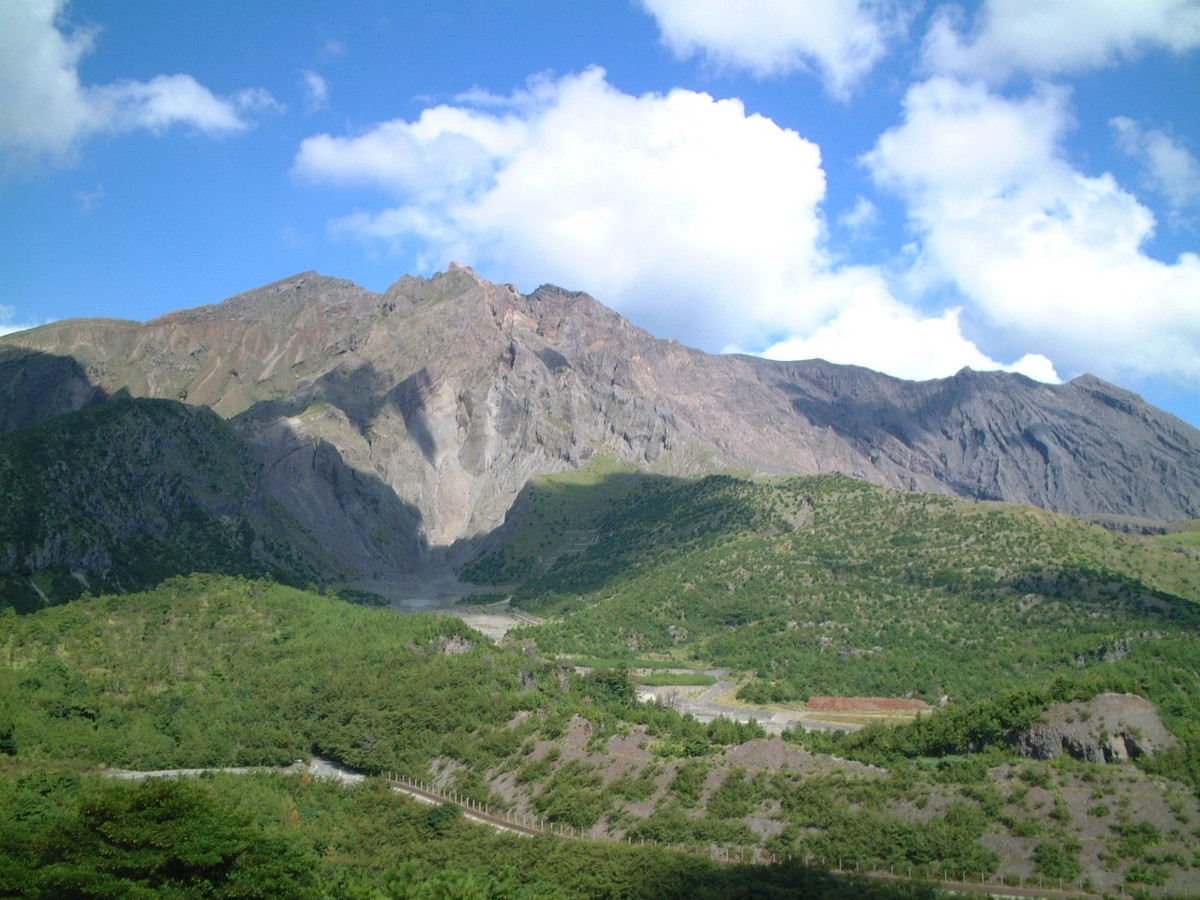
(433, 404)
(281, 301)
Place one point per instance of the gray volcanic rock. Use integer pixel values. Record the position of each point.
(390, 425)
(1107, 728)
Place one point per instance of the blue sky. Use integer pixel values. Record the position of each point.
(908, 186)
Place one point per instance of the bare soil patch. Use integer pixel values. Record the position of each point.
(865, 704)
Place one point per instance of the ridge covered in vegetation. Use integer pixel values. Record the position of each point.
(801, 586)
(119, 496)
(214, 671)
(827, 585)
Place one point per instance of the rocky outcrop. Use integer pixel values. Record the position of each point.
(392, 425)
(1107, 728)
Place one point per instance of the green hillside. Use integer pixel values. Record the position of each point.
(218, 671)
(827, 585)
(274, 836)
(211, 671)
(801, 586)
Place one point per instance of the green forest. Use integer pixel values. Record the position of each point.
(211, 671)
(827, 585)
(797, 587)
(119, 496)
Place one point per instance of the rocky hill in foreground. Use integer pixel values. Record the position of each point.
(391, 425)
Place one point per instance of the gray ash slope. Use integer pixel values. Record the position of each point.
(390, 424)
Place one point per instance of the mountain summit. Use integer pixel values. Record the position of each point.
(390, 425)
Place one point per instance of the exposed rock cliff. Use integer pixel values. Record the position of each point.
(391, 424)
(1107, 728)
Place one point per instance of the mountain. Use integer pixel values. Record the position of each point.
(392, 426)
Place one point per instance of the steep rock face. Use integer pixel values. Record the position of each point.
(392, 424)
(1107, 728)
(1085, 447)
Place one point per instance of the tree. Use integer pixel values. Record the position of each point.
(611, 686)
(167, 839)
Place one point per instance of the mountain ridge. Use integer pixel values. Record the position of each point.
(440, 398)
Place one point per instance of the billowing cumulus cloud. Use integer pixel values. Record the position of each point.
(46, 111)
(876, 330)
(842, 40)
(885, 332)
(1052, 37)
(653, 203)
(1049, 257)
(685, 213)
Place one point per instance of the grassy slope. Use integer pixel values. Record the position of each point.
(211, 670)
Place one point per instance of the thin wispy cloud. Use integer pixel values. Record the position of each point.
(316, 91)
(1168, 167)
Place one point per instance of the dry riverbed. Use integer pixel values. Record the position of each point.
(441, 592)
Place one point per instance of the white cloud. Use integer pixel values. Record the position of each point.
(1170, 168)
(1050, 257)
(1050, 37)
(890, 338)
(90, 198)
(877, 331)
(695, 219)
(167, 100)
(316, 91)
(861, 219)
(667, 206)
(843, 39)
(46, 111)
(43, 107)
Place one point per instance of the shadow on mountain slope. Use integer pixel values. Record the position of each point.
(36, 387)
(577, 537)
